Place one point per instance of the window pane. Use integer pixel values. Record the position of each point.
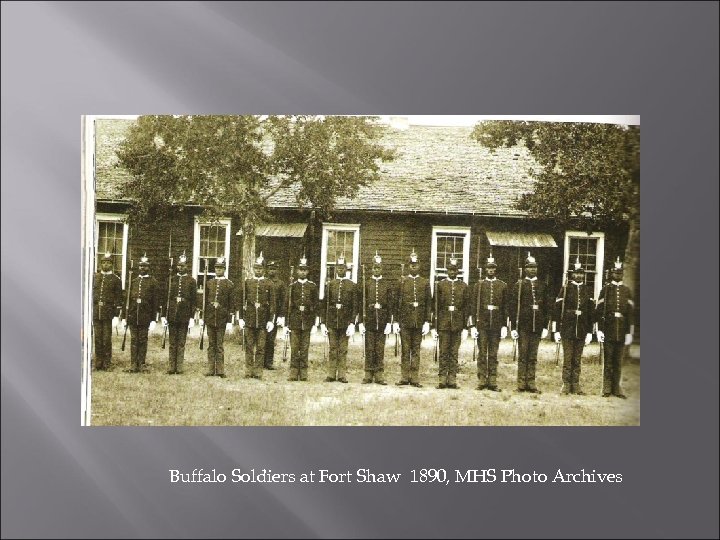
(110, 239)
(586, 250)
(340, 242)
(449, 246)
(212, 246)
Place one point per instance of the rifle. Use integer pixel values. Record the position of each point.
(202, 329)
(364, 310)
(127, 305)
(167, 307)
(437, 341)
(287, 322)
(562, 318)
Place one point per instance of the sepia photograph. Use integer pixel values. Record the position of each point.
(314, 270)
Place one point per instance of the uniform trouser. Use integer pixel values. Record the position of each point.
(375, 355)
(178, 337)
(337, 357)
(138, 345)
(270, 348)
(216, 349)
(612, 367)
(572, 362)
(449, 347)
(300, 346)
(411, 338)
(487, 362)
(255, 339)
(103, 343)
(528, 344)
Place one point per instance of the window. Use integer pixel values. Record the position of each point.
(590, 248)
(211, 240)
(339, 240)
(111, 235)
(449, 243)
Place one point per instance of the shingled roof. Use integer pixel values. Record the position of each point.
(437, 170)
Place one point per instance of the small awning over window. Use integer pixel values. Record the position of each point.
(521, 239)
(294, 230)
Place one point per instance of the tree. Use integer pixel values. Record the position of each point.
(585, 172)
(233, 165)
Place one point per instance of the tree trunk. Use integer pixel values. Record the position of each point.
(248, 248)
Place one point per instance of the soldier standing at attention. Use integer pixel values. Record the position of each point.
(616, 324)
(489, 312)
(107, 304)
(340, 313)
(217, 317)
(181, 307)
(375, 317)
(301, 318)
(279, 290)
(528, 305)
(414, 309)
(453, 312)
(572, 324)
(259, 317)
(144, 310)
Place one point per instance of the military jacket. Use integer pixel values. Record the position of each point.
(534, 314)
(453, 304)
(144, 300)
(107, 296)
(414, 302)
(303, 300)
(279, 291)
(219, 301)
(340, 306)
(615, 311)
(183, 295)
(379, 303)
(488, 304)
(574, 315)
(258, 301)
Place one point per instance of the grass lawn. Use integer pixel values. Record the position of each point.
(191, 399)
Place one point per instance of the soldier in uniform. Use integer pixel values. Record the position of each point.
(375, 316)
(300, 319)
(489, 313)
(181, 308)
(453, 307)
(219, 306)
(529, 307)
(144, 310)
(279, 291)
(572, 324)
(339, 324)
(107, 304)
(414, 310)
(616, 324)
(259, 309)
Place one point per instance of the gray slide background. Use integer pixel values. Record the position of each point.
(61, 60)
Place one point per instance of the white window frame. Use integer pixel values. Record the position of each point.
(196, 244)
(326, 227)
(113, 218)
(440, 230)
(599, 256)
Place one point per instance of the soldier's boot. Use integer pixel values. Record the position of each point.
(531, 385)
(607, 379)
(380, 377)
(293, 374)
(368, 377)
(482, 376)
(303, 374)
(616, 388)
(522, 376)
(492, 377)
(442, 382)
(565, 389)
(452, 381)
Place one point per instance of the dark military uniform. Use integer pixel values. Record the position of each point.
(529, 322)
(219, 307)
(279, 290)
(107, 303)
(339, 312)
(489, 309)
(615, 317)
(453, 307)
(376, 314)
(574, 319)
(304, 301)
(181, 308)
(259, 308)
(414, 309)
(144, 306)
